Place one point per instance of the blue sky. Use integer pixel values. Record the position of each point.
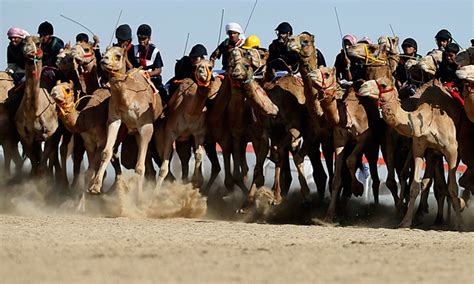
(173, 20)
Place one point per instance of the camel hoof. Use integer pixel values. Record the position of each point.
(357, 188)
(404, 225)
(94, 189)
(462, 204)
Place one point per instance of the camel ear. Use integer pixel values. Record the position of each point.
(58, 82)
(71, 82)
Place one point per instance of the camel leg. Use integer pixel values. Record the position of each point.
(319, 175)
(197, 179)
(244, 167)
(405, 175)
(356, 187)
(143, 138)
(237, 157)
(261, 146)
(418, 151)
(389, 158)
(336, 184)
(63, 149)
(164, 168)
(328, 152)
(277, 180)
(216, 168)
(372, 155)
(77, 157)
(8, 153)
(183, 149)
(112, 131)
(440, 190)
(451, 153)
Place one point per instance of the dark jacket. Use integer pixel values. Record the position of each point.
(223, 50)
(356, 68)
(401, 73)
(447, 73)
(277, 50)
(51, 51)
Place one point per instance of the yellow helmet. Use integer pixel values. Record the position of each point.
(252, 42)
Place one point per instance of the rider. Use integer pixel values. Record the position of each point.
(123, 34)
(410, 48)
(15, 57)
(344, 66)
(235, 38)
(446, 72)
(280, 58)
(443, 38)
(50, 44)
(185, 67)
(147, 56)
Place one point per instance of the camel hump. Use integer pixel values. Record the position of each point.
(98, 97)
(5, 76)
(291, 84)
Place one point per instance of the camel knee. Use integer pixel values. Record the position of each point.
(198, 154)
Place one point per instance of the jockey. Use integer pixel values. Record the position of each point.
(443, 38)
(147, 56)
(185, 67)
(51, 45)
(280, 58)
(446, 72)
(123, 34)
(15, 57)
(347, 69)
(410, 48)
(236, 38)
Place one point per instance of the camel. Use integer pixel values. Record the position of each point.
(36, 119)
(248, 111)
(185, 117)
(322, 110)
(135, 102)
(90, 122)
(429, 126)
(466, 73)
(8, 133)
(465, 57)
(424, 70)
(78, 64)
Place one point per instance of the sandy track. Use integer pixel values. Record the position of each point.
(82, 249)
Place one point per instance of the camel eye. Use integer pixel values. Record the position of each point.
(68, 90)
(117, 57)
(326, 74)
(86, 50)
(383, 86)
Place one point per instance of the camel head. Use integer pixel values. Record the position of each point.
(32, 49)
(303, 44)
(375, 88)
(65, 62)
(244, 63)
(83, 53)
(390, 42)
(429, 64)
(323, 78)
(63, 95)
(465, 57)
(203, 72)
(114, 60)
(369, 53)
(466, 73)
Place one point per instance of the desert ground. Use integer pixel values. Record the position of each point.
(41, 242)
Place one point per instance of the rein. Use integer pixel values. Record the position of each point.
(207, 81)
(371, 60)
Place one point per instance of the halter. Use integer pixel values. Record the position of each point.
(371, 60)
(382, 91)
(207, 81)
(68, 108)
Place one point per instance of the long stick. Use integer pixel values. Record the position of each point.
(186, 45)
(220, 28)
(76, 22)
(398, 47)
(116, 24)
(250, 17)
(340, 30)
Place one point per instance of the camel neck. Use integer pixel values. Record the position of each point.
(70, 120)
(90, 78)
(394, 115)
(32, 81)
